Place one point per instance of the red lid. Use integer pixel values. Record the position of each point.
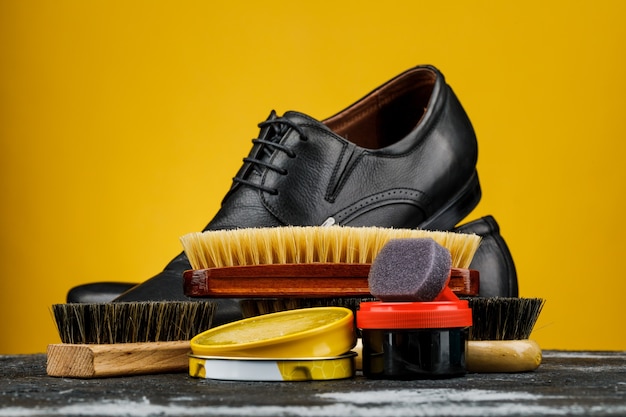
(414, 315)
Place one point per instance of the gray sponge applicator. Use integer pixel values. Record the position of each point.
(410, 270)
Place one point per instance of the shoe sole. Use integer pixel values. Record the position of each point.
(458, 207)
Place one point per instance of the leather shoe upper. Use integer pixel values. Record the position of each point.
(402, 156)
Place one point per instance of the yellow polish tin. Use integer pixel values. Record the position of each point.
(318, 332)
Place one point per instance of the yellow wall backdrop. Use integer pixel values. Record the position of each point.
(123, 122)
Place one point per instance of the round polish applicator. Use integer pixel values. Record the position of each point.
(410, 270)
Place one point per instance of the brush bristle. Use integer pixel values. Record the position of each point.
(309, 244)
(131, 322)
(260, 306)
(503, 318)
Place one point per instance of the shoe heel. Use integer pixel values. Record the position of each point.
(460, 206)
(498, 276)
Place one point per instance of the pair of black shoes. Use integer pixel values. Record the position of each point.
(403, 156)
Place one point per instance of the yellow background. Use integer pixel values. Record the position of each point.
(123, 122)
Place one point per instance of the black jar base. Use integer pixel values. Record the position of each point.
(414, 353)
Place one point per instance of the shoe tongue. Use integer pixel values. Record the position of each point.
(260, 156)
(277, 131)
(271, 132)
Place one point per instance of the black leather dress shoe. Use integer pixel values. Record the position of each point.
(498, 276)
(403, 156)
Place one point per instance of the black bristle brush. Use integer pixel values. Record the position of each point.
(499, 336)
(130, 338)
(259, 306)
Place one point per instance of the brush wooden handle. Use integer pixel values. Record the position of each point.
(489, 356)
(94, 361)
(502, 356)
(299, 280)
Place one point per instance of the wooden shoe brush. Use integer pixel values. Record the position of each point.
(499, 339)
(117, 339)
(281, 268)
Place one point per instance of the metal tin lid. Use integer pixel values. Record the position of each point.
(307, 332)
(414, 315)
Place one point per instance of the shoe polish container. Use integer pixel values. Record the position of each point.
(414, 340)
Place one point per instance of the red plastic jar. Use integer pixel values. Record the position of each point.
(414, 340)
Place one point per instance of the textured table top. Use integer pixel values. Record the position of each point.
(567, 383)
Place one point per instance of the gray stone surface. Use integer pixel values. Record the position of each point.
(567, 383)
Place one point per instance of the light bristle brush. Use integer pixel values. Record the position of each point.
(314, 254)
(116, 339)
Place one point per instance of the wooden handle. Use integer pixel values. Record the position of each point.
(489, 356)
(502, 356)
(93, 361)
(299, 280)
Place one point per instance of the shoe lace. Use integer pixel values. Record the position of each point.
(278, 128)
